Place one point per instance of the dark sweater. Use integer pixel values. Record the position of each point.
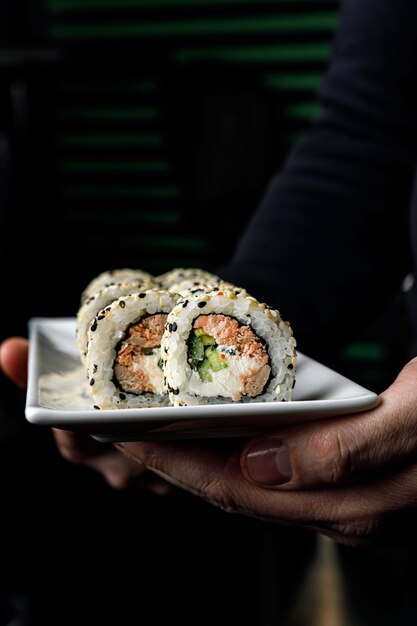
(336, 232)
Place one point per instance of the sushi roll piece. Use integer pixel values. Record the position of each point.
(97, 301)
(111, 277)
(223, 347)
(180, 274)
(124, 364)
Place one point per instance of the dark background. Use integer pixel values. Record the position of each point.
(138, 133)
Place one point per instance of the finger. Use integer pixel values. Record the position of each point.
(75, 447)
(189, 466)
(351, 514)
(14, 359)
(342, 450)
(116, 468)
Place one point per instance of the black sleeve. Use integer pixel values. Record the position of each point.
(330, 242)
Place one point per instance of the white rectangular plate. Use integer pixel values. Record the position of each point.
(58, 395)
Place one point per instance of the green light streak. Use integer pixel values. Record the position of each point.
(364, 351)
(60, 6)
(304, 110)
(116, 166)
(111, 140)
(110, 113)
(281, 53)
(294, 82)
(161, 192)
(315, 22)
(131, 218)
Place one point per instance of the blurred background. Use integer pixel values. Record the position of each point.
(124, 126)
(125, 123)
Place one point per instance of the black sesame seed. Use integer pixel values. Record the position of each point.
(201, 305)
(170, 328)
(94, 368)
(100, 317)
(122, 304)
(165, 350)
(93, 326)
(174, 327)
(122, 396)
(290, 366)
(175, 392)
(91, 382)
(184, 304)
(293, 383)
(142, 295)
(96, 407)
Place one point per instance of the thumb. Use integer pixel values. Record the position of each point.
(14, 359)
(340, 450)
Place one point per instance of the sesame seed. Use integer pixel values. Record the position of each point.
(91, 382)
(201, 305)
(122, 304)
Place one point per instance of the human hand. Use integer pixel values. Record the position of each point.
(118, 470)
(351, 478)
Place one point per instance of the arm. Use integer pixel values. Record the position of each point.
(329, 241)
(338, 212)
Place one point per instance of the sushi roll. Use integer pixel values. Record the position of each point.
(116, 276)
(180, 274)
(99, 300)
(124, 364)
(225, 346)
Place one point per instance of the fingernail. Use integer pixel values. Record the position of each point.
(268, 463)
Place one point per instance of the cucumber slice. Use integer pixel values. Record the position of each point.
(196, 349)
(215, 359)
(204, 371)
(205, 338)
(208, 340)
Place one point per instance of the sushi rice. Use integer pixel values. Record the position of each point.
(99, 300)
(111, 277)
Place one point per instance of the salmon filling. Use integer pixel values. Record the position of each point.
(230, 359)
(138, 365)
